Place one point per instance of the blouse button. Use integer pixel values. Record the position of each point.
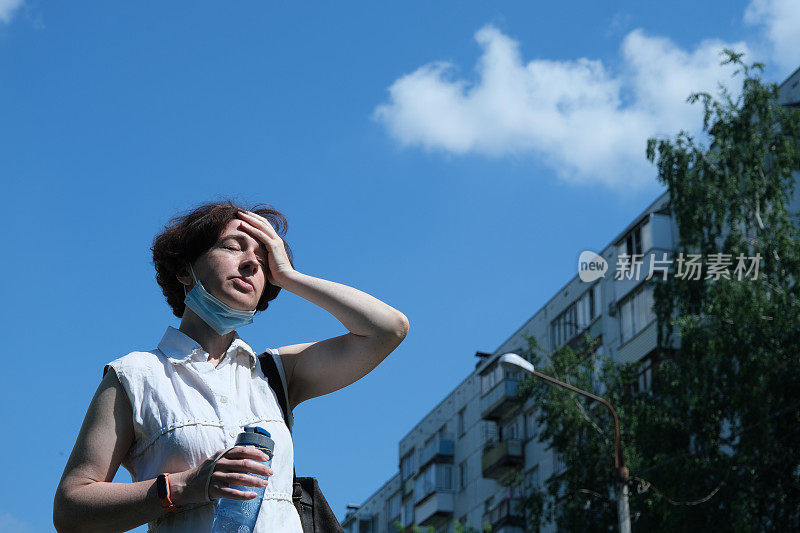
(232, 433)
(223, 399)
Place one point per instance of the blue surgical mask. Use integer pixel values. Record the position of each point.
(221, 317)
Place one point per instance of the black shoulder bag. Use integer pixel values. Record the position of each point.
(315, 513)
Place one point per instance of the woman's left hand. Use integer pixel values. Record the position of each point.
(261, 229)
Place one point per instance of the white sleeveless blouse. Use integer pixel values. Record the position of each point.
(185, 410)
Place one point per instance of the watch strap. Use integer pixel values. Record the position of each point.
(164, 493)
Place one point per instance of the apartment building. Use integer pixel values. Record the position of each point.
(453, 463)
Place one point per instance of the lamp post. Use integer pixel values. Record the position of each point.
(514, 361)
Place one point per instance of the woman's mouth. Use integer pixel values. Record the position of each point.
(241, 283)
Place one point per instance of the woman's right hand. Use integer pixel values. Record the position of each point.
(233, 468)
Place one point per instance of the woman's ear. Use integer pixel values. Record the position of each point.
(184, 276)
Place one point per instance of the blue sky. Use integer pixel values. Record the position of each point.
(450, 159)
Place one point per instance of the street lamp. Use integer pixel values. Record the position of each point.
(514, 361)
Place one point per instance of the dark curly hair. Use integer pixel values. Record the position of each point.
(189, 235)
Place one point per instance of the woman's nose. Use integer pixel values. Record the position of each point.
(252, 262)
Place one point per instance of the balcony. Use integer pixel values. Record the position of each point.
(439, 450)
(501, 400)
(507, 512)
(437, 477)
(503, 459)
(435, 510)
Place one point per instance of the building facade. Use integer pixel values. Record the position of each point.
(453, 463)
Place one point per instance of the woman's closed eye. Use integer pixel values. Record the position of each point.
(260, 261)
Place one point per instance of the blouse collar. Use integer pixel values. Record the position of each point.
(181, 348)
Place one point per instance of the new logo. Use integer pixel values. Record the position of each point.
(591, 266)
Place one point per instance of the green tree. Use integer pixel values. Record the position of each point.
(580, 497)
(715, 443)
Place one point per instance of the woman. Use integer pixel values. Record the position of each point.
(174, 409)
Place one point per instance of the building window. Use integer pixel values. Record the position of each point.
(436, 477)
(644, 378)
(393, 507)
(461, 422)
(597, 363)
(366, 525)
(530, 425)
(489, 379)
(637, 241)
(444, 477)
(597, 299)
(408, 512)
(558, 464)
(576, 317)
(496, 375)
(511, 429)
(425, 483)
(462, 475)
(636, 312)
(585, 309)
(564, 327)
(588, 307)
(408, 465)
(531, 479)
(489, 431)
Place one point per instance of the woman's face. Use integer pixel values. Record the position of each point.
(233, 268)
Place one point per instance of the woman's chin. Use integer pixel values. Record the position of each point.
(241, 303)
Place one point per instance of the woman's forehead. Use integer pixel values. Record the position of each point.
(231, 231)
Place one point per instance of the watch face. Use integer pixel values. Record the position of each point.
(161, 485)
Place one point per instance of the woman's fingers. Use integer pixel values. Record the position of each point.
(259, 222)
(245, 459)
(246, 452)
(235, 468)
(223, 491)
(236, 478)
(222, 484)
(245, 466)
(226, 479)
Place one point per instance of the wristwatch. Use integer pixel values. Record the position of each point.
(162, 486)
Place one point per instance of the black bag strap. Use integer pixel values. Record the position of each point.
(315, 512)
(270, 370)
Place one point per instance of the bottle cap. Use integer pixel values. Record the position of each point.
(256, 436)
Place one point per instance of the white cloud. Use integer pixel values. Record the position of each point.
(780, 21)
(588, 123)
(7, 8)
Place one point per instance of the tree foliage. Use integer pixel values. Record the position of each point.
(714, 444)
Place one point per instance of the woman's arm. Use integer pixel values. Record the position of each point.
(86, 499)
(318, 368)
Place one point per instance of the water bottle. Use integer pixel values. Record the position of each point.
(239, 516)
